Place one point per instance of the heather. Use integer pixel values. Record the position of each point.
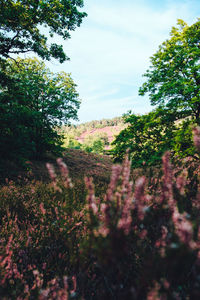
(135, 241)
(93, 137)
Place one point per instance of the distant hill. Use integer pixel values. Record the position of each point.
(79, 163)
(94, 136)
(109, 131)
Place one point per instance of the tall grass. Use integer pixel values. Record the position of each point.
(137, 241)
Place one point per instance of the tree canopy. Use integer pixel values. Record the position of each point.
(173, 85)
(21, 21)
(147, 137)
(32, 105)
(34, 102)
(173, 79)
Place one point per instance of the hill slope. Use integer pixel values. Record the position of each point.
(84, 136)
(79, 163)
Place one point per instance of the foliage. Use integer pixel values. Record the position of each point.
(183, 145)
(95, 145)
(77, 130)
(71, 143)
(147, 137)
(140, 242)
(23, 21)
(41, 226)
(155, 234)
(117, 121)
(90, 136)
(173, 84)
(92, 143)
(173, 79)
(33, 104)
(34, 101)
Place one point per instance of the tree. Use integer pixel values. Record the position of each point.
(93, 143)
(32, 106)
(173, 84)
(147, 137)
(173, 79)
(21, 21)
(183, 140)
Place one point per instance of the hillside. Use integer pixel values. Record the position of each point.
(109, 131)
(95, 133)
(79, 143)
(79, 163)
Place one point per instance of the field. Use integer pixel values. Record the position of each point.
(72, 237)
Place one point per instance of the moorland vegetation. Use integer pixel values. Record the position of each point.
(131, 232)
(95, 136)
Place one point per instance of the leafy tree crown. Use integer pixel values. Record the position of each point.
(21, 21)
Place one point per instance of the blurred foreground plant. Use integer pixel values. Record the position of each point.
(138, 241)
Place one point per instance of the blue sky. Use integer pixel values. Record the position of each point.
(111, 50)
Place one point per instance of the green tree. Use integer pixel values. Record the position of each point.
(93, 144)
(147, 137)
(98, 146)
(183, 140)
(21, 23)
(173, 79)
(173, 85)
(32, 106)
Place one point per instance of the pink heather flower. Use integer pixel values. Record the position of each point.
(166, 284)
(103, 231)
(93, 205)
(43, 210)
(139, 189)
(94, 208)
(126, 168)
(103, 207)
(153, 293)
(168, 187)
(161, 243)
(126, 207)
(51, 171)
(183, 228)
(104, 219)
(181, 182)
(115, 176)
(9, 244)
(125, 224)
(143, 234)
(65, 282)
(53, 177)
(196, 137)
(90, 187)
(164, 231)
(91, 199)
(139, 197)
(74, 285)
(64, 172)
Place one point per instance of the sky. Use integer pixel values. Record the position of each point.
(110, 52)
